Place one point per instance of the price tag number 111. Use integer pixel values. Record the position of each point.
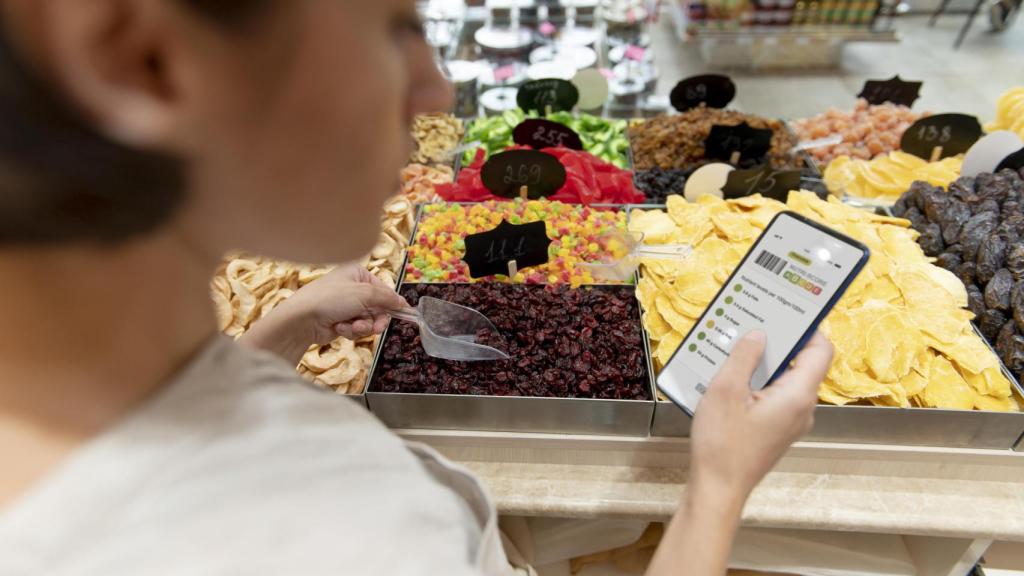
(505, 249)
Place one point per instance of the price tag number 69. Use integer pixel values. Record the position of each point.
(547, 97)
(522, 175)
(698, 92)
(737, 144)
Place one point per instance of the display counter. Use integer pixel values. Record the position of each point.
(948, 505)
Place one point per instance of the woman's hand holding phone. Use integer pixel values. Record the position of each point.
(738, 435)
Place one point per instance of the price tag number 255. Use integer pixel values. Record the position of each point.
(550, 137)
(522, 175)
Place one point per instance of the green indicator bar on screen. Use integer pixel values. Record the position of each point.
(801, 259)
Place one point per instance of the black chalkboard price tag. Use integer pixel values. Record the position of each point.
(490, 253)
(941, 136)
(712, 90)
(725, 141)
(775, 184)
(1014, 161)
(538, 133)
(895, 90)
(506, 173)
(550, 94)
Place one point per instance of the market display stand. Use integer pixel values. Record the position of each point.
(776, 47)
(947, 505)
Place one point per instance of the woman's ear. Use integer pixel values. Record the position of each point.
(120, 63)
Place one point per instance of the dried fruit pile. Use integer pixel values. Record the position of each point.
(589, 180)
(436, 254)
(602, 137)
(563, 343)
(886, 177)
(868, 131)
(247, 288)
(901, 333)
(435, 136)
(976, 230)
(677, 141)
(658, 184)
(419, 182)
(1009, 112)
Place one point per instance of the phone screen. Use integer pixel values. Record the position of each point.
(788, 281)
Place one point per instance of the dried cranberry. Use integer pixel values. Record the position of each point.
(563, 342)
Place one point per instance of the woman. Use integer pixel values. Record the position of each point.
(141, 140)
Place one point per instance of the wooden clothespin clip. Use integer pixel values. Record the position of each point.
(735, 158)
(524, 193)
(936, 154)
(513, 269)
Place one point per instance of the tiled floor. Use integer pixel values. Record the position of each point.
(968, 80)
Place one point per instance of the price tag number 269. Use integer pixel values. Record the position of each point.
(522, 175)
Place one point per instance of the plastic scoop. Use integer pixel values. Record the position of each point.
(817, 143)
(449, 331)
(623, 251)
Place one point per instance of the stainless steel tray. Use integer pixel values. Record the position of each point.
(514, 414)
(884, 425)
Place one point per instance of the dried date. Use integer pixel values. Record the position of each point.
(998, 291)
(1015, 261)
(975, 231)
(965, 272)
(1005, 337)
(991, 257)
(1017, 304)
(931, 239)
(990, 322)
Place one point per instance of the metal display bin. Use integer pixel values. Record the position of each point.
(886, 425)
(515, 413)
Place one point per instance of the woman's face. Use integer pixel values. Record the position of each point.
(294, 124)
(303, 127)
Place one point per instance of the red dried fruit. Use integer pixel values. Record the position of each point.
(566, 343)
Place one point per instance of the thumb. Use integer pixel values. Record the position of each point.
(381, 297)
(734, 377)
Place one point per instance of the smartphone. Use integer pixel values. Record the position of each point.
(786, 284)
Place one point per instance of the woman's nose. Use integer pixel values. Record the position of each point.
(431, 91)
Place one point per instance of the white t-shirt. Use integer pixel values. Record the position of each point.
(237, 467)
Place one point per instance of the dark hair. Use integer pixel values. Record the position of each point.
(61, 180)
